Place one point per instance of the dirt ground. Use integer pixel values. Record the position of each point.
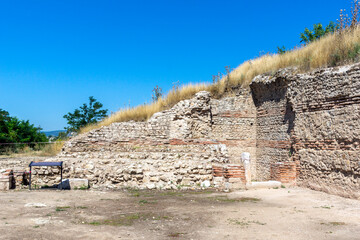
(285, 213)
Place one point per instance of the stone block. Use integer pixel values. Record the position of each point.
(74, 184)
(154, 179)
(205, 184)
(186, 181)
(164, 178)
(268, 184)
(5, 183)
(238, 185)
(151, 186)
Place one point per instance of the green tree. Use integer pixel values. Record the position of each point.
(317, 32)
(281, 50)
(13, 130)
(4, 119)
(21, 131)
(87, 114)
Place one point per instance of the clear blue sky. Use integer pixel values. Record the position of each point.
(55, 54)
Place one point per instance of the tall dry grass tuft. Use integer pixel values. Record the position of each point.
(40, 150)
(341, 47)
(52, 149)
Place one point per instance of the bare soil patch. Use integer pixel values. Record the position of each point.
(290, 213)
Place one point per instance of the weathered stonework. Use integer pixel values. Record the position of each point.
(314, 119)
(174, 148)
(298, 128)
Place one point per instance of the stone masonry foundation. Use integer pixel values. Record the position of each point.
(298, 128)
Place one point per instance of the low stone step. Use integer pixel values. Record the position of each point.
(267, 184)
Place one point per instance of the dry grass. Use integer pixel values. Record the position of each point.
(144, 112)
(331, 50)
(52, 149)
(334, 49)
(42, 150)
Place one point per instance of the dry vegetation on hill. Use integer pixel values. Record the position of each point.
(341, 47)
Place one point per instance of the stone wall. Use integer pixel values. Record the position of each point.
(274, 123)
(174, 148)
(298, 128)
(312, 118)
(327, 129)
(233, 123)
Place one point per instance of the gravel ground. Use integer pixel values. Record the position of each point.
(285, 213)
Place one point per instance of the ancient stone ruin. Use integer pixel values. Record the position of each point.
(299, 129)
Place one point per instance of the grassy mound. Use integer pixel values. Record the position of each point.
(332, 50)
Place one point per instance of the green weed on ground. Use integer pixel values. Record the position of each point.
(60, 209)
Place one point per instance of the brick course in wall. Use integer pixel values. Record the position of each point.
(230, 172)
(328, 103)
(316, 117)
(174, 148)
(285, 172)
(302, 128)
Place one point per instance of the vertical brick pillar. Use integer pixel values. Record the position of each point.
(284, 172)
(6, 180)
(233, 175)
